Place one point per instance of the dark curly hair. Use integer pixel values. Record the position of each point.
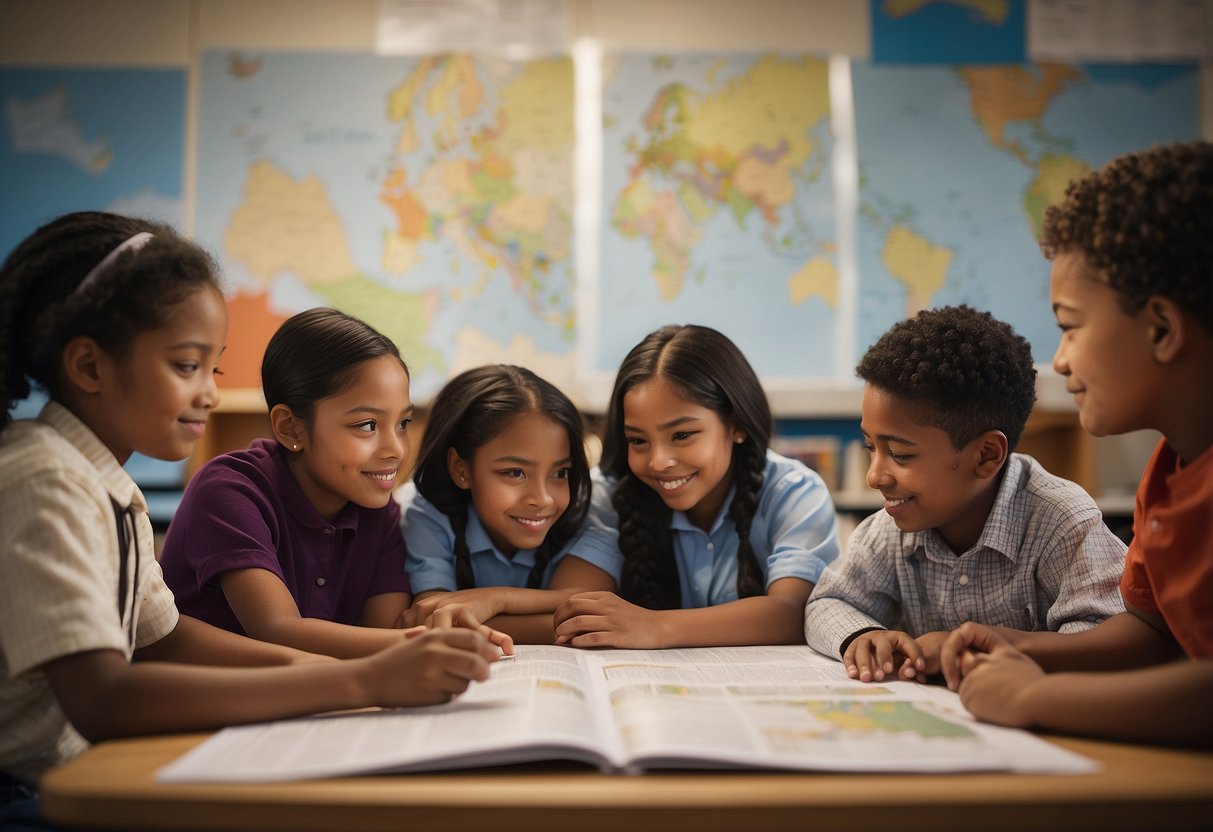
(961, 370)
(468, 412)
(711, 371)
(43, 306)
(1145, 223)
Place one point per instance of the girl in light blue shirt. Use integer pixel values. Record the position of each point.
(500, 489)
(713, 538)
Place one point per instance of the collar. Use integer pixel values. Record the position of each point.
(478, 541)
(113, 477)
(680, 522)
(1000, 532)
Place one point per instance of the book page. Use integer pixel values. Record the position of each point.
(789, 707)
(535, 706)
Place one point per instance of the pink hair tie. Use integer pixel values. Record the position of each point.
(133, 243)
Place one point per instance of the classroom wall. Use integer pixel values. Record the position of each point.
(159, 33)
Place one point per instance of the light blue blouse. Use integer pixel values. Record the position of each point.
(430, 550)
(793, 535)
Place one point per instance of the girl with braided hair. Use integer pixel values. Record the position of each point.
(500, 489)
(716, 539)
(122, 323)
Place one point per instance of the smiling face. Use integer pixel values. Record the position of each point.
(926, 483)
(158, 395)
(681, 450)
(357, 441)
(1105, 354)
(518, 481)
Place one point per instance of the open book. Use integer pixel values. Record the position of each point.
(629, 710)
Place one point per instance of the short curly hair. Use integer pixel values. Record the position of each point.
(959, 369)
(1145, 223)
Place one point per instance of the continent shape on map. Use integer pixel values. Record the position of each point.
(437, 205)
(740, 148)
(506, 205)
(999, 98)
(288, 227)
(44, 125)
(959, 164)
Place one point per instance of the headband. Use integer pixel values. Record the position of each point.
(133, 243)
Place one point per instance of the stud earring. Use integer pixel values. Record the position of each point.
(295, 447)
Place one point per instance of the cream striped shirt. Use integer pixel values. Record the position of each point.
(59, 574)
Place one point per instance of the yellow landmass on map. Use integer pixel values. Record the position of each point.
(1054, 173)
(537, 109)
(817, 278)
(456, 95)
(400, 103)
(772, 106)
(993, 12)
(287, 226)
(1001, 95)
(403, 317)
(474, 348)
(768, 184)
(658, 216)
(918, 263)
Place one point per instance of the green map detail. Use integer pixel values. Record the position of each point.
(1054, 173)
(402, 317)
(885, 717)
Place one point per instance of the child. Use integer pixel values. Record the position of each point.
(1132, 290)
(715, 539)
(969, 531)
(296, 540)
(122, 322)
(501, 487)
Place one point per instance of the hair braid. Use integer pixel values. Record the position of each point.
(464, 578)
(650, 574)
(749, 463)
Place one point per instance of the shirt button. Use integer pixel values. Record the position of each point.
(711, 548)
(320, 582)
(963, 580)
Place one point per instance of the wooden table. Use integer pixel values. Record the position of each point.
(111, 787)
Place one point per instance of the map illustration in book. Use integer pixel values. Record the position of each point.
(626, 710)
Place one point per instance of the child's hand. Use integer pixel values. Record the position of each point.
(873, 655)
(603, 619)
(482, 603)
(457, 615)
(958, 650)
(997, 685)
(430, 668)
(930, 644)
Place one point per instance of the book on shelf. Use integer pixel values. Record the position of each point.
(634, 710)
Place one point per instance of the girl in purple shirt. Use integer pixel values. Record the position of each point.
(296, 540)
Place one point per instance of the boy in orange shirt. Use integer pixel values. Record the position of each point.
(1132, 290)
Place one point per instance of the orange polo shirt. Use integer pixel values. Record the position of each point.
(1169, 566)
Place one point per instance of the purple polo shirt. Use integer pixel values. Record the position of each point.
(244, 509)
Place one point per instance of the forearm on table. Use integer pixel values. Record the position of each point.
(328, 638)
(532, 628)
(1121, 642)
(761, 619)
(197, 642)
(1165, 704)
